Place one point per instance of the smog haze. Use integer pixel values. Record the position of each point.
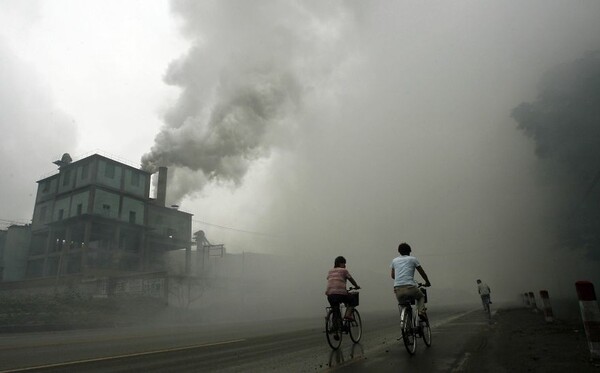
(314, 129)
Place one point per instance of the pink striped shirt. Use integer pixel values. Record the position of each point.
(336, 281)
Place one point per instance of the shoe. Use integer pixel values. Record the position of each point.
(490, 302)
(423, 316)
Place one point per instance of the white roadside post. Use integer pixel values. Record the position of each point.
(590, 315)
(548, 314)
(532, 302)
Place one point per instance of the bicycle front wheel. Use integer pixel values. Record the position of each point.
(333, 330)
(408, 331)
(355, 327)
(426, 332)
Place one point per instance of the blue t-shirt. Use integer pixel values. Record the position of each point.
(404, 268)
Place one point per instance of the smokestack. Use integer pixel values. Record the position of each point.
(161, 189)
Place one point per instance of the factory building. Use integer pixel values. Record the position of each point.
(95, 218)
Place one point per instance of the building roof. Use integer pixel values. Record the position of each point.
(65, 162)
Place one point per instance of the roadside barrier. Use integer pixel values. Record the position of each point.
(548, 314)
(590, 315)
(532, 302)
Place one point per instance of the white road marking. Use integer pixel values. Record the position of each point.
(122, 356)
(462, 364)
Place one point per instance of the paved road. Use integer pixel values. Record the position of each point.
(296, 345)
(454, 342)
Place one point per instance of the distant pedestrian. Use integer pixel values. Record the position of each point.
(484, 292)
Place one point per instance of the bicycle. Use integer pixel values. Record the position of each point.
(412, 325)
(335, 326)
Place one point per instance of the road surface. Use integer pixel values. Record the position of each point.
(283, 345)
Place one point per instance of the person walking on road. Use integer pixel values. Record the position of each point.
(403, 272)
(484, 292)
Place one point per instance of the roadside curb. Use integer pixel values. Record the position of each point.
(521, 340)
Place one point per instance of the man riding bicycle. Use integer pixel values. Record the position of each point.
(403, 272)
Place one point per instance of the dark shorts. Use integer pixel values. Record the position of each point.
(336, 299)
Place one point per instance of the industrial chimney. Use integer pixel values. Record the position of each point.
(161, 188)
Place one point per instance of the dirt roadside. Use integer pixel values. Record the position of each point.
(520, 340)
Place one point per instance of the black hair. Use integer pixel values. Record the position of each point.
(339, 260)
(404, 248)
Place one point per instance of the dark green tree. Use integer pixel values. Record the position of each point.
(564, 123)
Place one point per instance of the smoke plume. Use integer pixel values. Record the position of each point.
(564, 122)
(239, 90)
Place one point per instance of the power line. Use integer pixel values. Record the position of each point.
(8, 221)
(236, 229)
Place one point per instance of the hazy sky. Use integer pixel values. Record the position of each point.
(325, 128)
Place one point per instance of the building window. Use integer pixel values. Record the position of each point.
(132, 217)
(79, 208)
(135, 179)
(43, 210)
(61, 214)
(66, 177)
(85, 170)
(109, 171)
(46, 186)
(106, 210)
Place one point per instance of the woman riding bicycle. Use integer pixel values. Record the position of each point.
(403, 272)
(336, 286)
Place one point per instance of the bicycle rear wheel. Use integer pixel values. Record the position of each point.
(408, 331)
(333, 331)
(355, 327)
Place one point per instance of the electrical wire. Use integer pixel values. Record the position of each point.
(235, 229)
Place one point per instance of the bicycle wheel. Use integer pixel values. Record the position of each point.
(425, 332)
(355, 327)
(408, 331)
(332, 331)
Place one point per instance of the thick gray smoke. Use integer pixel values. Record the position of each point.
(564, 122)
(379, 123)
(242, 82)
